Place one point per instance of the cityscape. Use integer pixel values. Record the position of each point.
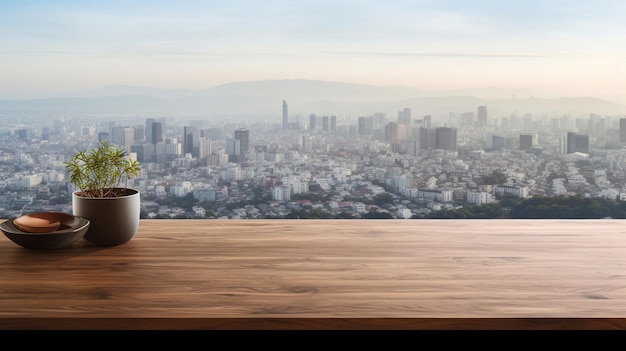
(382, 165)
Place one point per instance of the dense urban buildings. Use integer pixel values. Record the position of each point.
(341, 166)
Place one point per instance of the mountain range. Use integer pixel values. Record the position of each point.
(263, 99)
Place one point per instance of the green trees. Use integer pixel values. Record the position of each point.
(541, 207)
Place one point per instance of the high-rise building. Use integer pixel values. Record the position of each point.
(153, 131)
(148, 129)
(333, 123)
(312, 122)
(481, 120)
(427, 138)
(325, 123)
(365, 125)
(243, 135)
(445, 138)
(622, 131)
(191, 141)
(285, 116)
(525, 141)
(156, 133)
(233, 150)
(427, 121)
(391, 132)
(124, 137)
(404, 117)
(306, 143)
(577, 143)
(582, 143)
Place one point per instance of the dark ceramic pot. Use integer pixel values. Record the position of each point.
(113, 220)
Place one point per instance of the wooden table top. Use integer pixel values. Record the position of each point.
(326, 274)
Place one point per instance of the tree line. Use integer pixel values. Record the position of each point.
(538, 207)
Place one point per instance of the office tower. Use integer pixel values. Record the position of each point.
(577, 143)
(622, 131)
(571, 142)
(325, 123)
(312, 122)
(206, 147)
(140, 133)
(404, 117)
(494, 142)
(124, 137)
(391, 132)
(148, 129)
(481, 116)
(445, 138)
(285, 116)
(333, 123)
(365, 126)
(467, 119)
(153, 131)
(156, 133)
(426, 138)
(145, 153)
(233, 150)
(243, 135)
(191, 141)
(582, 143)
(525, 141)
(306, 144)
(427, 121)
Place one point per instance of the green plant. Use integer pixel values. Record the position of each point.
(97, 172)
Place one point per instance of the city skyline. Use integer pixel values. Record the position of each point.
(549, 49)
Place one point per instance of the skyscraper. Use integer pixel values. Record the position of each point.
(445, 138)
(243, 135)
(622, 131)
(156, 133)
(312, 122)
(482, 116)
(191, 141)
(577, 143)
(325, 125)
(285, 116)
(153, 131)
(525, 141)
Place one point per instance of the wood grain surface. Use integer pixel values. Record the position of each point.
(326, 274)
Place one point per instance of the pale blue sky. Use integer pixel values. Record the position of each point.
(556, 48)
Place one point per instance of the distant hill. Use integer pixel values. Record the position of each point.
(263, 99)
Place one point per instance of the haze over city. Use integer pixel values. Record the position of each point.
(545, 49)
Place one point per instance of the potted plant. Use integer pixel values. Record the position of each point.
(112, 209)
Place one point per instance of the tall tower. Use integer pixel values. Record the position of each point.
(243, 135)
(191, 141)
(482, 116)
(312, 122)
(525, 141)
(148, 129)
(622, 131)
(156, 133)
(285, 116)
(445, 138)
(571, 142)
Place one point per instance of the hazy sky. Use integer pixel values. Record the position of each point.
(557, 48)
